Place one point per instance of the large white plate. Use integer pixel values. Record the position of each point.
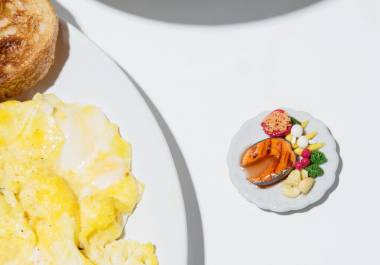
(83, 73)
(272, 198)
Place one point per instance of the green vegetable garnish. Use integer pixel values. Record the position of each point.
(294, 120)
(317, 157)
(314, 171)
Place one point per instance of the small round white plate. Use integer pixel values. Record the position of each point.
(84, 74)
(272, 198)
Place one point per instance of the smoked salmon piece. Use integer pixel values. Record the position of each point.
(268, 161)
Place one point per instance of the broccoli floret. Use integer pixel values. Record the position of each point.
(317, 157)
(314, 171)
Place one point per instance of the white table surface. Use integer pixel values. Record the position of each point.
(207, 80)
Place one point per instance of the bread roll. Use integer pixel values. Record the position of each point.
(28, 35)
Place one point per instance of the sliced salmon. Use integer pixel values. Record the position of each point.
(268, 161)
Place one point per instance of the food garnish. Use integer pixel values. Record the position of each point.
(302, 142)
(290, 190)
(316, 146)
(304, 123)
(311, 135)
(296, 130)
(277, 123)
(305, 185)
(309, 158)
(317, 157)
(314, 171)
(306, 153)
(304, 174)
(296, 183)
(294, 177)
(298, 165)
(305, 162)
(294, 121)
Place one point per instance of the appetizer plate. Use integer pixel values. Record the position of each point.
(271, 198)
(83, 73)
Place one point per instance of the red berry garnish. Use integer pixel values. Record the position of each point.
(298, 165)
(305, 162)
(306, 153)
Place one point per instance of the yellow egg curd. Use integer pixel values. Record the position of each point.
(65, 184)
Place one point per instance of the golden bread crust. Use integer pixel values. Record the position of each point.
(28, 34)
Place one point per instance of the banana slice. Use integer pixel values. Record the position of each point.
(294, 177)
(305, 185)
(290, 191)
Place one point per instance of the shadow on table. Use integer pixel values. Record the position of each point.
(210, 12)
(193, 217)
(64, 14)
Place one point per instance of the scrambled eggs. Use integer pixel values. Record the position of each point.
(65, 183)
